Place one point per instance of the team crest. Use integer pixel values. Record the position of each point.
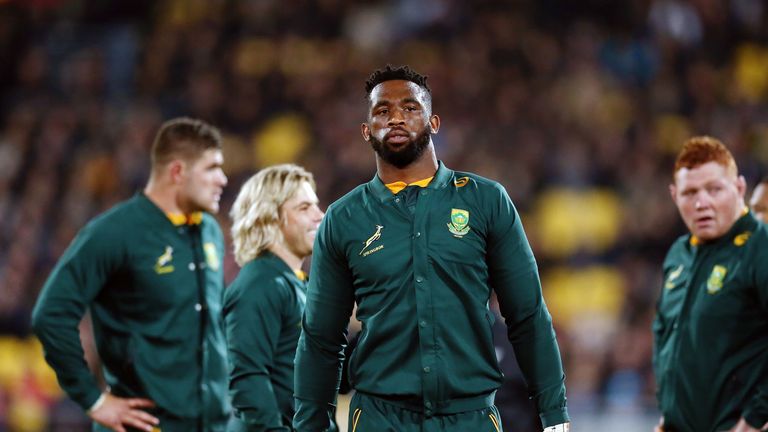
(715, 281)
(163, 266)
(211, 256)
(459, 225)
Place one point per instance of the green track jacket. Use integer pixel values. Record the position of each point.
(154, 291)
(711, 331)
(421, 269)
(262, 315)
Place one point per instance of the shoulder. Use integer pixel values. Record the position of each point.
(112, 223)
(756, 240)
(462, 179)
(258, 279)
(349, 203)
(680, 249)
(483, 188)
(211, 224)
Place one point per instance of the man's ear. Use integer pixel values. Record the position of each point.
(673, 192)
(176, 170)
(366, 131)
(741, 186)
(434, 123)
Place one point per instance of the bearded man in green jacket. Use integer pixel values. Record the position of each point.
(419, 249)
(274, 222)
(150, 271)
(711, 328)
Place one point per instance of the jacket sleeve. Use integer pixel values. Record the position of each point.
(320, 351)
(253, 317)
(71, 287)
(514, 276)
(756, 411)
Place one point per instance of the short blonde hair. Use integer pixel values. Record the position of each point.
(256, 212)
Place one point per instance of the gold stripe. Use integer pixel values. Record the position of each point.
(356, 418)
(495, 422)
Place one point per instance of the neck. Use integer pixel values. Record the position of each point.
(163, 195)
(423, 167)
(290, 258)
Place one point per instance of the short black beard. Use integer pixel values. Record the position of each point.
(405, 156)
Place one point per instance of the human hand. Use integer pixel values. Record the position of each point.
(115, 412)
(562, 427)
(743, 426)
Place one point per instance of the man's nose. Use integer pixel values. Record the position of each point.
(702, 201)
(396, 118)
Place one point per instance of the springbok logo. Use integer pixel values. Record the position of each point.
(162, 265)
(371, 239)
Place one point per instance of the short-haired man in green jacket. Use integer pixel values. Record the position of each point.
(274, 223)
(150, 271)
(711, 328)
(420, 248)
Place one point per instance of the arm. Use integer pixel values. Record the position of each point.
(514, 276)
(253, 319)
(320, 351)
(73, 284)
(69, 290)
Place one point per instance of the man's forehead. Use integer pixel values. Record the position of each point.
(394, 90)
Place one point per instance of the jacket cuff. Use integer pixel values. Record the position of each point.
(554, 417)
(96, 405)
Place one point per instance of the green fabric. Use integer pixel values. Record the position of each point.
(422, 283)
(711, 331)
(154, 292)
(371, 414)
(262, 315)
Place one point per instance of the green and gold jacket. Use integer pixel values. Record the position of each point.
(421, 265)
(154, 291)
(711, 331)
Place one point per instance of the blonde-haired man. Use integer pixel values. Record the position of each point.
(711, 328)
(275, 219)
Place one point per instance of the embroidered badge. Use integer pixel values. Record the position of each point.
(162, 265)
(715, 281)
(211, 256)
(742, 238)
(461, 182)
(459, 225)
(674, 274)
(376, 235)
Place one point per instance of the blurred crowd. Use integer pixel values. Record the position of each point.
(577, 107)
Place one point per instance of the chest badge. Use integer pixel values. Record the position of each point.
(376, 235)
(162, 266)
(459, 225)
(715, 281)
(211, 257)
(673, 275)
